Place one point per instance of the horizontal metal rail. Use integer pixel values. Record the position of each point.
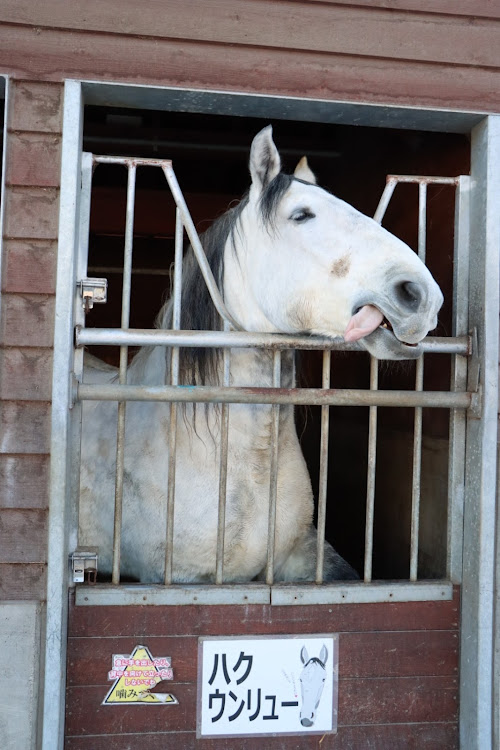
(146, 337)
(299, 396)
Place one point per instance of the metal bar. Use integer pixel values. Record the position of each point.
(311, 396)
(323, 471)
(174, 380)
(273, 473)
(423, 179)
(224, 435)
(125, 320)
(234, 339)
(371, 474)
(197, 247)
(385, 199)
(344, 592)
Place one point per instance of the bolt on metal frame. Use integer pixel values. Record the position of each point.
(458, 399)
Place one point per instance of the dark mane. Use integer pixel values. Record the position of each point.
(198, 313)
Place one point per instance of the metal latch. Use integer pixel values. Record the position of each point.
(93, 291)
(84, 564)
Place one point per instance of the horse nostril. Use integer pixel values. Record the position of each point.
(306, 722)
(409, 294)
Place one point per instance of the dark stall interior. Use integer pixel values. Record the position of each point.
(209, 155)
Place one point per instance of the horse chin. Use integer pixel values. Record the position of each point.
(383, 344)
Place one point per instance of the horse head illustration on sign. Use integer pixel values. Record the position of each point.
(312, 682)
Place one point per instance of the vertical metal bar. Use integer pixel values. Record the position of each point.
(371, 474)
(419, 384)
(174, 380)
(458, 419)
(125, 321)
(384, 200)
(323, 471)
(273, 479)
(224, 434)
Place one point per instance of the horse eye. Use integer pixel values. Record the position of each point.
(301, 215)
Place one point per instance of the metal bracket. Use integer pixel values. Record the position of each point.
(93, 291)
(473, 373)
(84, 564)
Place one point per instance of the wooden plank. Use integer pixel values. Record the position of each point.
(373, 701)
(24, 427)
(29, 266)
(336, 29)
(263, 619)
(33, 159)
(35, 106)
(23, 535)
(471, 8)
(27, 320)
(24, 481)
(31, 213)
(441, 736)
(400, 654)
(50, 55)
(26, 374)
(22, 581)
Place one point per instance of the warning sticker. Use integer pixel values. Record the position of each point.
(140, 678)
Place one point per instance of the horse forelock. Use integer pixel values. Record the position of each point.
(272, 195)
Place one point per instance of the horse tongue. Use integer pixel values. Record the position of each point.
(364, 322)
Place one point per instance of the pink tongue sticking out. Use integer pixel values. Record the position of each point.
(366, 320)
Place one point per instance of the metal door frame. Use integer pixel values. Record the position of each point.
(479, 512)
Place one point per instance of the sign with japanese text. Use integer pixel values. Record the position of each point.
(138, 678)
(267, 685)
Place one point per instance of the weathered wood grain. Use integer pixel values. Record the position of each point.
(27, 320)
(22, 581)
(25, 373)
(29, 266)
(35, 106)
(33, 159)
(24, 481)
(23, 535)
(24, 427)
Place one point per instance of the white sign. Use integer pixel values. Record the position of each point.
(267, 685)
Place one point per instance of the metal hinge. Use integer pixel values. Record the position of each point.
(93, 291)
(84, 564)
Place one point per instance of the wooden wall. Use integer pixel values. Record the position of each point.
(398, 664)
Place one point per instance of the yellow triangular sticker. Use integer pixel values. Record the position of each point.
(135, 677)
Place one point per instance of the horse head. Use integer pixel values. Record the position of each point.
(307, 262)
(312, 681)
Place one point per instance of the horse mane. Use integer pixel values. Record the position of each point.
(200, 366)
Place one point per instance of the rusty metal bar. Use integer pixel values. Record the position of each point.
(224, 437)
(273, 473)
(125, 320)
(174, 379)
(246, 395)
(371, 474)
(323, 471)
(240, 339)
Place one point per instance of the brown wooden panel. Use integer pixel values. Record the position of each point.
(24, 481)
(373, 701)
(476, 8)
(29, 266)
(27, 320)
(31, 213)
(35, 106)
(292, 25)
(23, 535)
(33, 159)
(22, 581)
(24, 427)
(440, 736)
(54, 55)
(26, 374)
(390, 654)
(262, 619)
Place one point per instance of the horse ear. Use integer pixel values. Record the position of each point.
(265, 162)
(323, 655)
(304, 172)
(304, 655)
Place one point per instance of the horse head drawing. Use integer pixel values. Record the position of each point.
(312, 681)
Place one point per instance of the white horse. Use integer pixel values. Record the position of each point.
(312, 681)
(289, 258)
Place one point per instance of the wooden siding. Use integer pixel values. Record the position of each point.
(430, 54)
(26, 333)
(398, 673)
